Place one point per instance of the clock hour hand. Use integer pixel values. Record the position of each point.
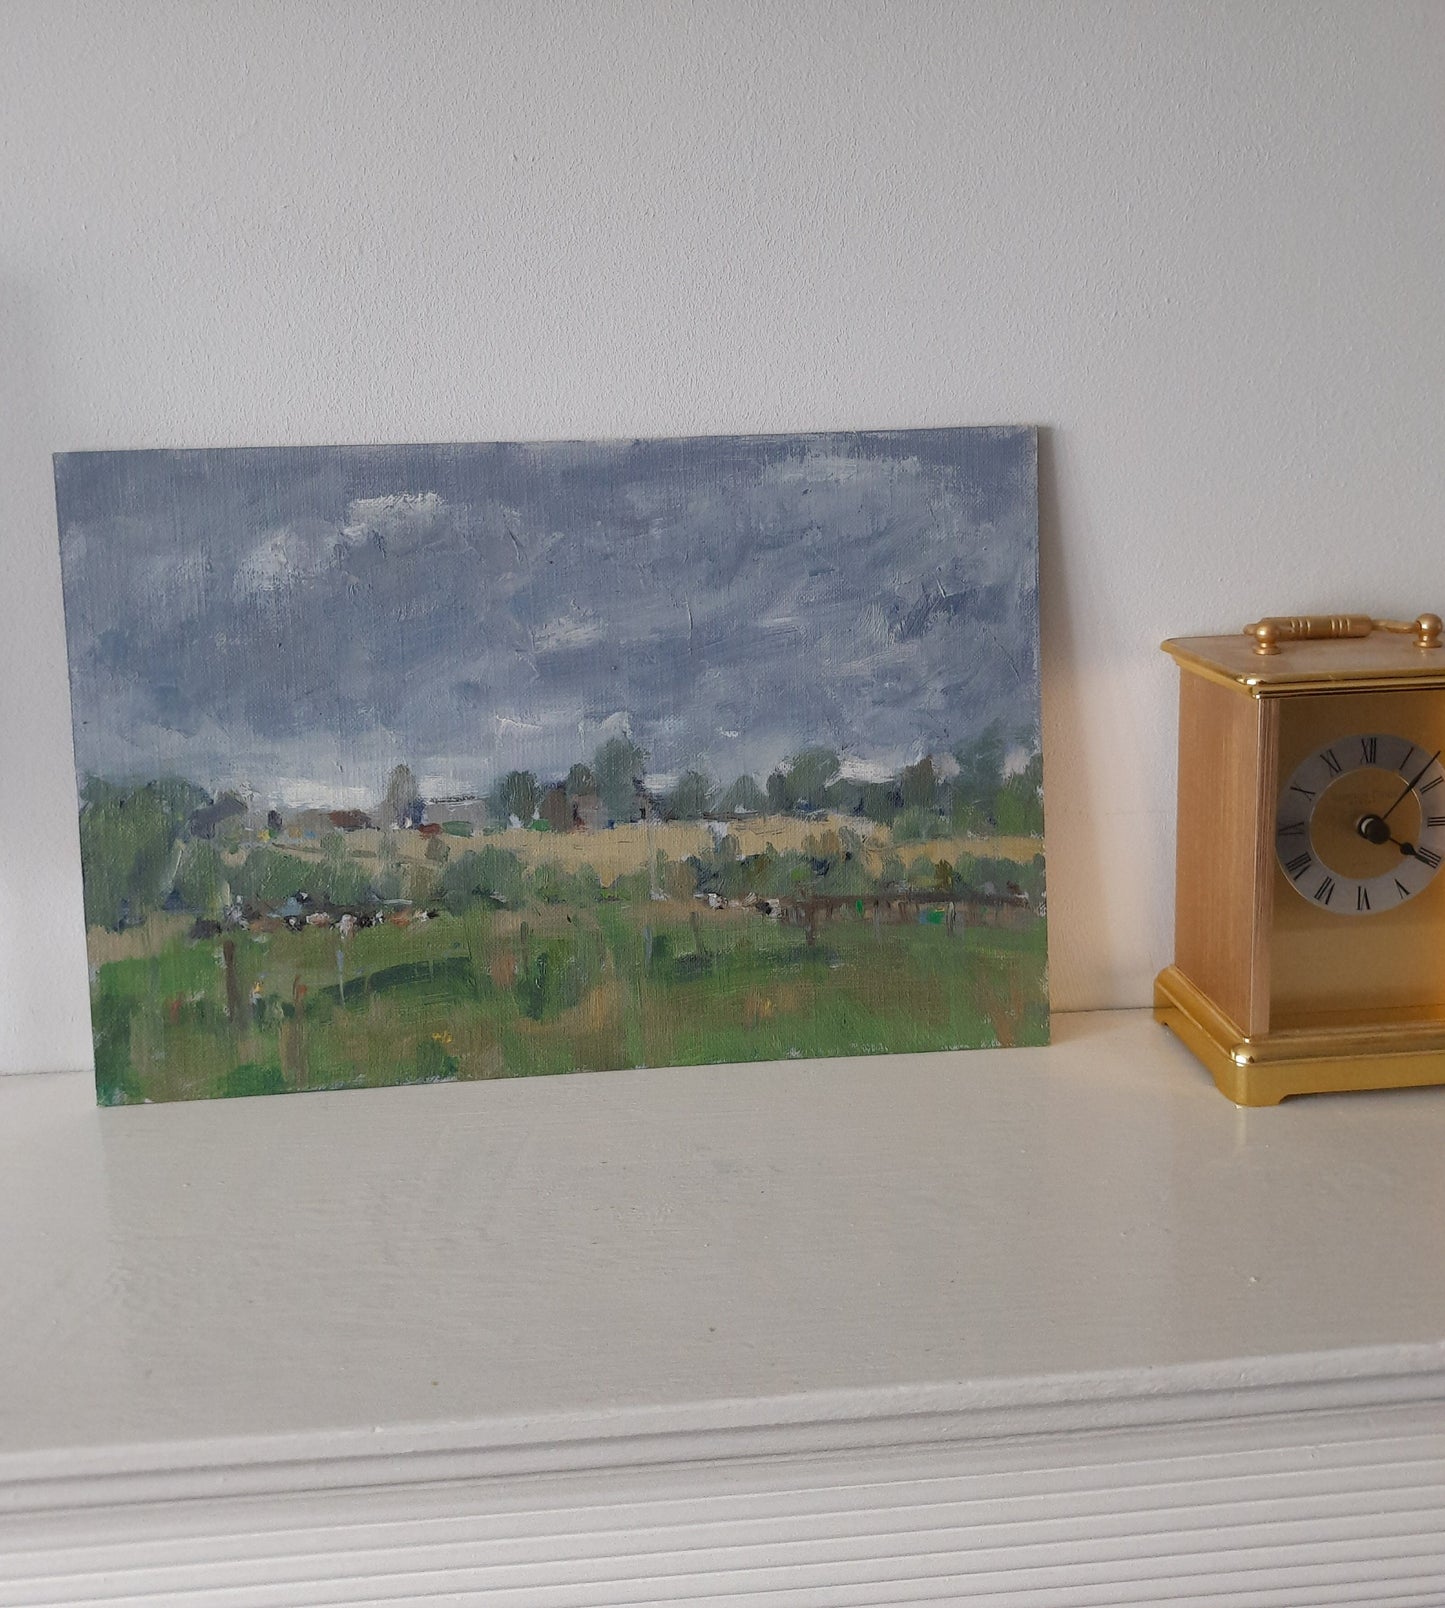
(1374, 829)
(1409, 788)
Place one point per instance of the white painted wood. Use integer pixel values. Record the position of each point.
(1054, 1326)
(1316, 1509)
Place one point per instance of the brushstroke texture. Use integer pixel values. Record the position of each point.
(413, 763)
(318, 614)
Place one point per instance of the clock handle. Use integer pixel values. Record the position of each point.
(1274, 629)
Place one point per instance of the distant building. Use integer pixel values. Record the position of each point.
(555, 808)
(476, 812)
(587, 813)
(203, 822)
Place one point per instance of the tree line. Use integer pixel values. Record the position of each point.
(921, 801)
(164, 844)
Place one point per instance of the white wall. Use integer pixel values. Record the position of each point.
(1201, 244)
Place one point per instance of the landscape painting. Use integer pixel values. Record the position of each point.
(421, 763)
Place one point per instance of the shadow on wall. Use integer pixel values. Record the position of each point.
(44, 1023)
(1075, 881)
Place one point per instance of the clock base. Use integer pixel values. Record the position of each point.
(1264, 1070)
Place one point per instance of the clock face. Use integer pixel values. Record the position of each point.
(1360, 826)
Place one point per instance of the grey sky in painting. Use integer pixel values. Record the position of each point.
(298, 620)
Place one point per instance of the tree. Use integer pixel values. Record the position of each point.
(807, 778)
(342, 879)
(515, 797)
(980, 775)
(127, 841)
(388, 869)
(402, 804)
(744, 797)
(268, 877)
(917, 785)
(619, 766)
(916, 794)
(1020, 805)
(201, 881)
(877, 801)
(690, 799)
(580, 782)
(178, 797)
(490, 876)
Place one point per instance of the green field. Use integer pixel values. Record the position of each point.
(501, 993)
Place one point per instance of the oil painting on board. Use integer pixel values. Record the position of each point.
(406, 764)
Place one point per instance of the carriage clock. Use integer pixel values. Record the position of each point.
(1309, 949)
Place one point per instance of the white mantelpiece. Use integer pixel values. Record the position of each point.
(1045, 1326)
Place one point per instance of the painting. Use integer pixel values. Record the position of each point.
(421, 763)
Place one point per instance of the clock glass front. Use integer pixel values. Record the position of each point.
(1359, 838)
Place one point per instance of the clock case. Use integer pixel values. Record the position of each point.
(1276, 997)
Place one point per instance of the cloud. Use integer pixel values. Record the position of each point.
(398, 524)
(284, 558)
(472, 609)
(577, 628)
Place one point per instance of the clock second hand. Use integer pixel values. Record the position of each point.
(1409, 787)
(1375, 828)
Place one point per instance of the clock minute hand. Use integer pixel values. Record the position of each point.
(1410, 785)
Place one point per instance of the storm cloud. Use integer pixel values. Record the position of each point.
(295, 621)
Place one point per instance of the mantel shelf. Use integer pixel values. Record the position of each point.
(596, 1277)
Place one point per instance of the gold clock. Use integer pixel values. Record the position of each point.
(1309, 901)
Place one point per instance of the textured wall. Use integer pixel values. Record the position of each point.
(1200, 244)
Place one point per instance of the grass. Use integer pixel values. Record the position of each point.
(503, 994)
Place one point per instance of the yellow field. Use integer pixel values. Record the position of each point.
(150, 938)
(624, 849)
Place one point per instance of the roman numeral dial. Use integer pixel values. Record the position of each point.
(1360, 823)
